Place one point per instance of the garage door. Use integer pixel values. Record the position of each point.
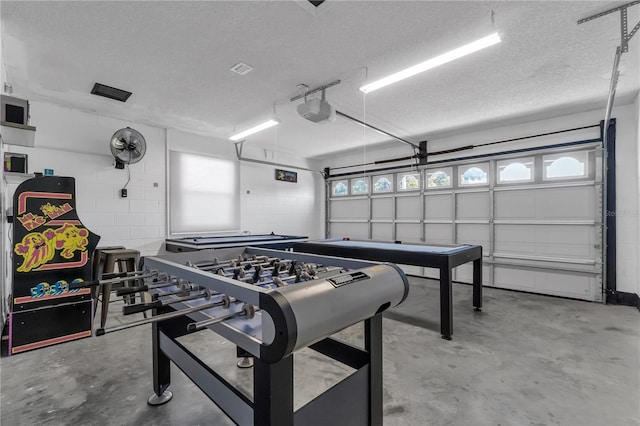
(537, 215)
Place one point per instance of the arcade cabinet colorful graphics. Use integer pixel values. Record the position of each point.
(51, 248)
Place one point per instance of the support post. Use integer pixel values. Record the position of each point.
(273, 392)
(373, 345)
(446, 302)
(477, 284)
(161, 370)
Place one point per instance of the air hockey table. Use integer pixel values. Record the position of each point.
(441, 256)
(272, 241)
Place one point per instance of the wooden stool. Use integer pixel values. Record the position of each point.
(127, 261)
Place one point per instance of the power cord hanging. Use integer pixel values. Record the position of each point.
(123, 191)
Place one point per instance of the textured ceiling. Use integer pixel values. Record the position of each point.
(175, 58)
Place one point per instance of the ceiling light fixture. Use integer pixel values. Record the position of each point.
(255, 129)
(433, 62)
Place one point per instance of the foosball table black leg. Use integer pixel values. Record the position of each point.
(161, 371)
(373, 345)
(273, 392)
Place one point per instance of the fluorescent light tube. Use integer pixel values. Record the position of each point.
(433, 62)
(256, 129)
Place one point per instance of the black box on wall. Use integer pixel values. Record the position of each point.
(14, 110)
(15, 162)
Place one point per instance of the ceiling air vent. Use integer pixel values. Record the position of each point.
(110, 92)
(242, 68)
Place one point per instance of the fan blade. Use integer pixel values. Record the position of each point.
(118, 143)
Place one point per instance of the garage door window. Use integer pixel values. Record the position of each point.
(359, 186)
(471, 175)
(339, 188)
(408, 181)
(383, 183)
(565, 165)
(516, 170)
(440, 178)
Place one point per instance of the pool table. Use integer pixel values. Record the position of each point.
(275, 241)
(444, 257)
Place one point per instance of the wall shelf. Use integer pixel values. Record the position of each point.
(17, 134)
(13, 177)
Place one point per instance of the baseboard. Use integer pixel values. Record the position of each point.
(623, 298)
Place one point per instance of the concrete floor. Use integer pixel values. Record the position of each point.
(525, 360)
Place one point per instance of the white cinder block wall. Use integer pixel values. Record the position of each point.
(76, 143)
(627, 177)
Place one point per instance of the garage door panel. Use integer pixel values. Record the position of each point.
(382, 231)
(514, 278)
(569, 203)
(350, 209)
(566, 241)
(382, 208)
(464, 274)
(473, 205)
(514, 205)
(566, 203)
(351, 230)
(565, 284)
(438, 206)
(438, 233)
(557, 283)
(478, 234)
(514, 239)
(408, 208)
(408, 232)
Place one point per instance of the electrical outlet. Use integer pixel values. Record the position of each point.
(123, 193)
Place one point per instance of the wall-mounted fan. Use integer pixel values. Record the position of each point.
(127, 146)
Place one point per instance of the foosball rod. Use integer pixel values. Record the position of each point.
(247, 267)
(247, 310)
(161, 317)
(147, 287)
(95, 283)
(182, 290)
(236, 262)
(110, 275)
(141, 307)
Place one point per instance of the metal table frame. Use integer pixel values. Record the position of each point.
(356, 400)
(274, 241)
(392, 252)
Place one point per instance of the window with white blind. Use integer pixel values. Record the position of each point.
(203, 194)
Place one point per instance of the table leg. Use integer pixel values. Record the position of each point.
(373, 345)
(446, 303)
(161, 370)
(477, 284)
(273, 392)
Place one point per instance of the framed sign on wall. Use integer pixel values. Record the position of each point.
(286, 175)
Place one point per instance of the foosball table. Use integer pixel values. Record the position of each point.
(270, 304)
